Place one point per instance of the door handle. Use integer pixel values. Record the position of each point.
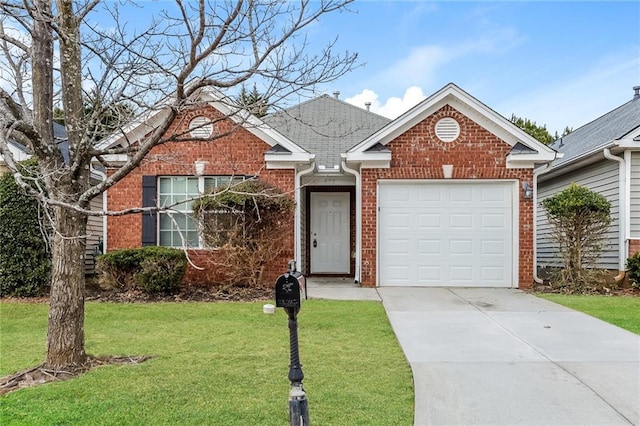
(315, 242)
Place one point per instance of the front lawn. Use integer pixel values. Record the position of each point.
(215, 364)
(623, 311)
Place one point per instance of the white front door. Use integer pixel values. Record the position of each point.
(330, 233)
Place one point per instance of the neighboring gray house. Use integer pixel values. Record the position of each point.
(604, 156)
(95, 224)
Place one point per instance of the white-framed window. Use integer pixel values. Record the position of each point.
(177, 227)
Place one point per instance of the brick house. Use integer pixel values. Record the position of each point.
(439, 196)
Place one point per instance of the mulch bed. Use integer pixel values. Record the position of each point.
(188, 293)
(40, 374)
(601, 291)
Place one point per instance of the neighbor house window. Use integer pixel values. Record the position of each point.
(177, 227)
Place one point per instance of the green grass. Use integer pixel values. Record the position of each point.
(215, 364)
(622, 311)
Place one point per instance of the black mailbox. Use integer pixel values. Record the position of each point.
(287, 291)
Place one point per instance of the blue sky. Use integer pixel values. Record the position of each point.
(557, 63)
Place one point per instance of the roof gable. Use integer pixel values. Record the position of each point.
(147, 121)
(527, 149)
(326, 126)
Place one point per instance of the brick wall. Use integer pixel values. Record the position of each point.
(634, 247)
(239, 153)
(419, 154)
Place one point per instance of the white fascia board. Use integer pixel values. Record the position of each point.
(287, 160)
(116, 158)
(368, 160)
(135, 130)
(528, 161)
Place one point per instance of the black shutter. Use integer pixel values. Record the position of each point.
(149, 219)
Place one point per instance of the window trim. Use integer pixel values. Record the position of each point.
(202, 188)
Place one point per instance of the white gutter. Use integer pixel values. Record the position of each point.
(622, 208)
(537, 172)
(358, 206)
(104, 209)
(298, 215)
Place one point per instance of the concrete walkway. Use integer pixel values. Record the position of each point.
(504, 357)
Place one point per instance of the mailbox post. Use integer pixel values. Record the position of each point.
(288, 297)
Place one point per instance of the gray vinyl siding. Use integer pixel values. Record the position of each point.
(634, 204)
(94, 235)
(601, 177)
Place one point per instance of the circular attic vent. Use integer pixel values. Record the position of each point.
(447, 129)
(201, 127)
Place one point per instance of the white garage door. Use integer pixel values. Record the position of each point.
(446, 234)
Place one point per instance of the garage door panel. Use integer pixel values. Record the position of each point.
(398, 221)
(495, 273)
(429, 221)
(494, 220)
(495, 195)
(460, 193)
(461, 273)
(429, 274)
(428, 194)
(461, 221)
(460, 247)
(429, 247)
(496, 247)
(399, 247)
(463, 239)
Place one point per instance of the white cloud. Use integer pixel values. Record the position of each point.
(393, 107)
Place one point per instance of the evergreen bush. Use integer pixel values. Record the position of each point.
(633, 267)
(580, 219)
(25, 258)
(150, 269)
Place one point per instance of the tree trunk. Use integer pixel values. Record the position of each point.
(65, 336)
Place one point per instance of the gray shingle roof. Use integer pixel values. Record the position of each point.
(599, 133)
(326, 126)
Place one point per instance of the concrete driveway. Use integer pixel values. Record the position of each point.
(504, 357)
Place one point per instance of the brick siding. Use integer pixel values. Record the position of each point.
(239, 153)
(634, 247)
(419, 154)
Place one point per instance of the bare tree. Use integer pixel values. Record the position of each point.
(61, 53)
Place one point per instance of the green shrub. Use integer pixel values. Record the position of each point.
(633, 266)
(580, 219)
(162, 274)
(150, 269)
(25, 260)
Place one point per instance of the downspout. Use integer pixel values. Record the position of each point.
(298, 214)
(358, 206)
(104, 209)
(622, 208)
(542, 170)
